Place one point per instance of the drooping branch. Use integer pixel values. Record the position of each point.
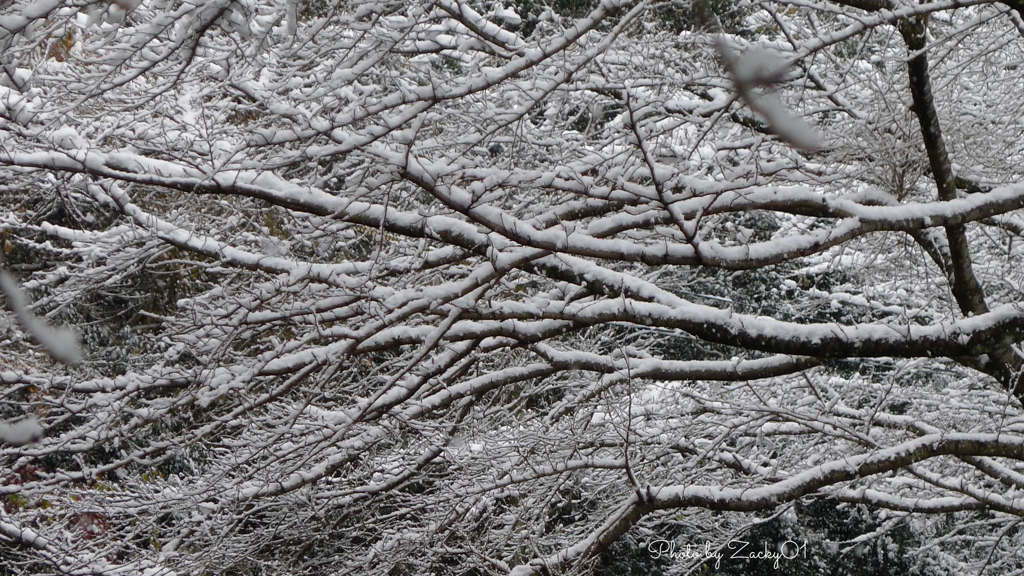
(770, 496)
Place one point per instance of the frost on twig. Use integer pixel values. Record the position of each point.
(61, 343)
(21, 433)
(753, 72)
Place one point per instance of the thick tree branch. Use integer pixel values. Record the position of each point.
(969, 294)
(788, 490)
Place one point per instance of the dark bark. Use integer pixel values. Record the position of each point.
(1004, 365)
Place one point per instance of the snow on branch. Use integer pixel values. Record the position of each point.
(391, 288)
(769, 496)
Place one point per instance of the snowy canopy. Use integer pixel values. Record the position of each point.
(479, 287)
